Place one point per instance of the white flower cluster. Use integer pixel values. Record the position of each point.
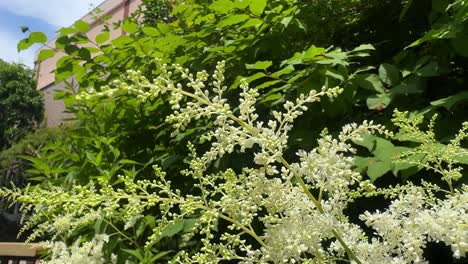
(276, 212)
(78, 253)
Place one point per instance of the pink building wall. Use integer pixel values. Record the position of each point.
(117, 10)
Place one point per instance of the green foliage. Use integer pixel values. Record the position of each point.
(412, 58)
(20, 103)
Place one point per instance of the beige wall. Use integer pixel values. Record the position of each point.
(54, 109)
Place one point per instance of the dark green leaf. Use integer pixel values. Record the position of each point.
(389, 74)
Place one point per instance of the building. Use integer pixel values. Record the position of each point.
(116, 10)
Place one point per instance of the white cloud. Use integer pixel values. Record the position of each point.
(8, 51)
(60, 13)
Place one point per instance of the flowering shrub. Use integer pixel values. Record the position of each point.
(276, 210)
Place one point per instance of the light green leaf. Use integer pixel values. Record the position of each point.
(312, 52)
(232, 20)
(37, 37)
(288, 69)
(257, 6)
(377, 169)
(363, 47)
(81, 26)
(129, 27)
(103, 37)
(24, 44)
(286, 20)
(267, 84)
(151, 31)
(259, 65)
(253, 22)
(222, 6)
(45, 54)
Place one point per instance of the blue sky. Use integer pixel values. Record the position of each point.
(45, 16)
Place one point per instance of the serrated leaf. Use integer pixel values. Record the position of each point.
(232, 20)
(103, 37)
(257, 6)
(45, 54)
(259, 65)
(389, 74)
(81, 26)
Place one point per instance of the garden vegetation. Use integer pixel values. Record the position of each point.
(255, 131)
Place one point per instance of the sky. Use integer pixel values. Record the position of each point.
(45, 16)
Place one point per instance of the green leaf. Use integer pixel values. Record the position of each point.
(312, 52)
(389, 74)
(259, 65)
(288, 69)
(81, 26)
(232, 20)
(37, 37)
(253, 22)
(371, 82)
(134, 252)
(129, 27)
(45, 54)
(173, 228)
(380, 102)
(377, 169)
(24, 44)
(449, 102)
(121, 41)
(163, 28)
(267, 84)
(103, 37)
(257, 6)
(67, 31)
(151, 31)
(222, 6)
(24, 29)
(286, 21)
(429, 70)
(410, 85)
(363, 47)
(189, 223)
